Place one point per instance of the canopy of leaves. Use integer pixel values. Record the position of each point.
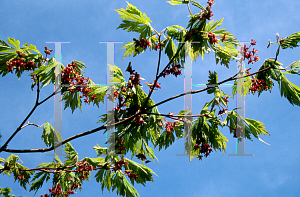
(8, 52)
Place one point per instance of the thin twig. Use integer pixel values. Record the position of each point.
(31, 124)
(189, 9)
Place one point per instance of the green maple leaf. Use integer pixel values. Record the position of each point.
(135, 21)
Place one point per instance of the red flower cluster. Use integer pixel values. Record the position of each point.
(141, 156)
(157, 85)
(156, 46)
(134, 78)
(133, 176)
(144, 44)
(237, 132)
(121, 149)
(257, 84)
(208, 13)
(56, 190)
(21, 177)
(174, 71)
(222, 111)
(69, 75)
(226, 100)
(119, 164)
(20, 63)
(170, 126)
(115, 96)
(223, 38)
(141, 43)
(204, 149)
(48, 51)
(250, 54)
(212, 38)
(130, 174)
(139, 120)
(83, 168)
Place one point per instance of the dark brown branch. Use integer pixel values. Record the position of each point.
(28, 116)
(69, 139)
(229, 79)
(158, 76)
(19, 128)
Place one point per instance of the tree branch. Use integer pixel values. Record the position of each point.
(158, 76)
(3, 148)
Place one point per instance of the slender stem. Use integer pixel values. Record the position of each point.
(31, 124)
(156, 78)
(20, 126)
(37, 103)
(290, 64)
(189, 9)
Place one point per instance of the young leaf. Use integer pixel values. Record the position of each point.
(195, 3)
(165, 140)
(72, 100)
(99, 92)
(30, 47)
(15, 43)
(80, 67)
(289, 91)
(291, 41)
(149, 151)
(176, 2)
(170, 49)
(295, 66)
(135, 21)
(253, 127)
(129, 49)
(50, 134)
(213, 82)
(36, 185)
(72, 156)
(5, 191)
(117, 76)
(46, 73)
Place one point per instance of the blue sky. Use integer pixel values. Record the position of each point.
(272, 171)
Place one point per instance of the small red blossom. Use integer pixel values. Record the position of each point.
(254, 51)
(253, 42)
(223, 38)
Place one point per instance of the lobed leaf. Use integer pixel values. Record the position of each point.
(291, 41)
(40, 178)
(134, 20)
(197, 4)
(176, 2)
(50, 135)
